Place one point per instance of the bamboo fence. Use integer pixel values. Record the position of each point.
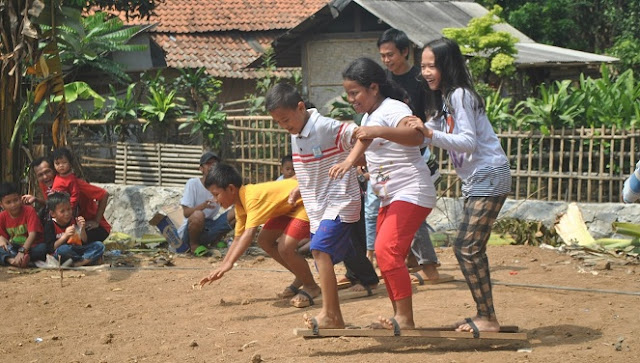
(585, 164)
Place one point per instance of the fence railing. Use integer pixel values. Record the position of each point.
(585, 164)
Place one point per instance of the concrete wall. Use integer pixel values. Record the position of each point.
(131, 207)
(323, 63)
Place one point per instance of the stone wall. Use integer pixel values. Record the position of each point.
(131, 207)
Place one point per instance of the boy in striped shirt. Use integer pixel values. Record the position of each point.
(333, 206)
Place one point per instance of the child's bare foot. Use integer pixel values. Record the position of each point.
(361, 287)
(479, 324)
(305, 296)
(81, 263)
(396, 323)
(428, 273)
(290, 291)
(322, 322)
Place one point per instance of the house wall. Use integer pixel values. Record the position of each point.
(325, 58)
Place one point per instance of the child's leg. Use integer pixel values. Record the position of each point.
(330, 316)
(425, 254)
(294, 232)
(66, 252)
(470, 249)
(397, 224)
(91, 253)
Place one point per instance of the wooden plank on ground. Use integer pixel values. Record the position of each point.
(506, 333)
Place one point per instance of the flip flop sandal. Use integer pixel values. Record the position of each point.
(396, 327)
(314, 326)
(303, 304)
(291, 288)
(474, 327)
(418, 277)
(201, 251)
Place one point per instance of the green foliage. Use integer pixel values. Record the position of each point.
(122, 111)
(341, 109)
(162, 105)
(90, 44)
(497, 109)
(268, 79)
(627, 49)
(492, 50)
(199, 87)
(211, 122)
(558, 106)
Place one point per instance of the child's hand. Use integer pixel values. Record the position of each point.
(367, 132)
(417, 124)
(70, 231)
(80, 222)
(294, 195)
(4, 245)
(339, 170)
(28, 199)
(216, 274)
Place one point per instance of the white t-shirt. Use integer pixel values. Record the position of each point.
(323, 143)
(195, 194)
(397, 172)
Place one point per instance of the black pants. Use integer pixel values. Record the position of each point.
(359, 268)
(97, 234)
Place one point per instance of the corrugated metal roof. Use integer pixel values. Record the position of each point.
(423, 21)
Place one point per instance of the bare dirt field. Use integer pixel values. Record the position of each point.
(154, 315)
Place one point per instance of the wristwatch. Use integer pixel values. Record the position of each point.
(23, 250)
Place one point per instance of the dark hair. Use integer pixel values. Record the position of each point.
(62, 152)
(282, 95)
(366, 71)
(286, 158)
(56, 198)
(397, 37)
(7, 188)
(37, 161)
(454, 74)
(223, 175)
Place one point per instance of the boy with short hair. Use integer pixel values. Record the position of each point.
(20, 230)
(333, 206)
(266, 203)
(65, 180)
(200, 209)
(286, 167)
(67, 240)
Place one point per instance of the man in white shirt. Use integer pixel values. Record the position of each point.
(202, 225)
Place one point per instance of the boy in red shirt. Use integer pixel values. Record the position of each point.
(65, 238)
(20, 230)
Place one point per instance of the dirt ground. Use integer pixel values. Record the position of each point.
(154, 315)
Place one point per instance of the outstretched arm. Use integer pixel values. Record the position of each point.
(402, 134)
(337, 171)
(237, 249)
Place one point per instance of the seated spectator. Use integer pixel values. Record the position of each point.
(200, 209)
(286, 167)
(20, 230)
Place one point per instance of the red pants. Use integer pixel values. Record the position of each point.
(397, 224)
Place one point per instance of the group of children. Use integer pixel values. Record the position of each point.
(388, 142)
(71, 227)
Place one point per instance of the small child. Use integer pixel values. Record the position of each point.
(64, 238)
(333, 206)
(20, 230)
(286, 167)
(66, 181)
(266, 203)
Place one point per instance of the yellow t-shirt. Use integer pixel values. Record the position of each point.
(261, 202)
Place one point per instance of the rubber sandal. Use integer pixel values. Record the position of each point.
(291, 288)
(396, 327)
(474, 327)
(418, 277)
(303, 304)
(201, 251)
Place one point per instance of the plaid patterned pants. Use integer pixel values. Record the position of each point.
(471, 249)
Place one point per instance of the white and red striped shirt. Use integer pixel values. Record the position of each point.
(323, 143)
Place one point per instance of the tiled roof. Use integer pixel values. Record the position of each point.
(222, 54)
(200, 16)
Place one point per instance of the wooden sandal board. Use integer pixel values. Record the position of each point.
(506, 333)
(443, 279)
(343, 295)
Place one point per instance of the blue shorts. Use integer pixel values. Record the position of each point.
(213, 228)
(334, 239)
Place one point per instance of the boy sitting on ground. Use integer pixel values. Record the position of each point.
(286, 167)
(65, 239)
(266, 203)
(20, 230)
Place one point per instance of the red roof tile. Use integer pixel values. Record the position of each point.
(198, 16)
(222, 54)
